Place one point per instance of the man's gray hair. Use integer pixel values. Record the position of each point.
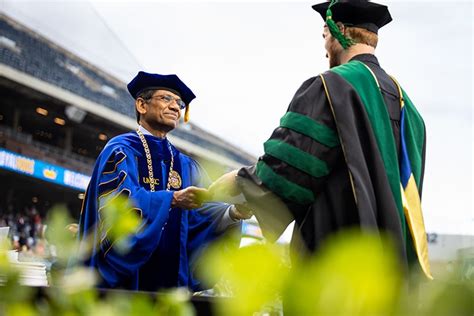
(146, 95)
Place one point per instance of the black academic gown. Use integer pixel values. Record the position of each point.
(333, 207)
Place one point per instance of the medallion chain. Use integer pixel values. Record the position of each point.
(150, 165)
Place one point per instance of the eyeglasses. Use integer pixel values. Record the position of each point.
(167, 99)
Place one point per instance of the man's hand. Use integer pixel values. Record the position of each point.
(224, 186)
(240, 211)
(190, 198)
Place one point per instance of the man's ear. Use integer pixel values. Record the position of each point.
(341, 27)
(140, 105)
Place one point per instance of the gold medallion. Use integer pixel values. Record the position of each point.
(175, 179)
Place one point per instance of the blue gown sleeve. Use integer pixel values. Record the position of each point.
(205, 224)
(118, 175)
(206, 221)
(216, 211)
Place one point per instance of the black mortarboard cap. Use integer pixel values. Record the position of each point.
(358, 13)
(144, 80)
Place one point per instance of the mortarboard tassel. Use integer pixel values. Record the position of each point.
(186, 114)
(334, 29)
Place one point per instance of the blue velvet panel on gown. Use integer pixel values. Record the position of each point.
(163, 250)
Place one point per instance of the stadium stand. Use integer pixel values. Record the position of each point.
(28, 130)
(30, 53)
(25, 145)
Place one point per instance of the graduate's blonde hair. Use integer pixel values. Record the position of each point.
(361, 36)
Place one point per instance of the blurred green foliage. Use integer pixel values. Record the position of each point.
(120, 221)
(12, 295)
(72, 288)
(353, 274)
(58, 236)
(256, 275)
(213, 170)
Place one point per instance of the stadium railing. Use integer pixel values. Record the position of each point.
(24, 144)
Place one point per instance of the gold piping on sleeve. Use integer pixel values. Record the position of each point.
(106, 204)
(100, 208)
(339, 135)
(134, 208)
(102, 183)
(84, 200)
(112, 244)
(108, 249)
(118, 185)
(118, 162)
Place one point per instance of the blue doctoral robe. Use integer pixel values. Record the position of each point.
(163, 251)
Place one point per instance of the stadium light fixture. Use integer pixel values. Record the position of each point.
(75, 114)
(41, 111)
(103, 137)
(59, 121)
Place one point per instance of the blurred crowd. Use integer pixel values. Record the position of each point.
(27, 232)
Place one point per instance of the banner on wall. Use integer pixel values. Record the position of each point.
(42, 170)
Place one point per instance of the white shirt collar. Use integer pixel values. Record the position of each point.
(144, 130)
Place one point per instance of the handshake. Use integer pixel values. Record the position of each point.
(223, 189)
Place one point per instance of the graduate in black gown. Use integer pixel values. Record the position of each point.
(350, 150)
(162, 185)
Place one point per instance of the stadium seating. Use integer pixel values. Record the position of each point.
(23, 144)
(28, 52)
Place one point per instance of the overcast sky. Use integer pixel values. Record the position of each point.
(245, 60)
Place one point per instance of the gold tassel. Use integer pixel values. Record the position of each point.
(186, 114)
